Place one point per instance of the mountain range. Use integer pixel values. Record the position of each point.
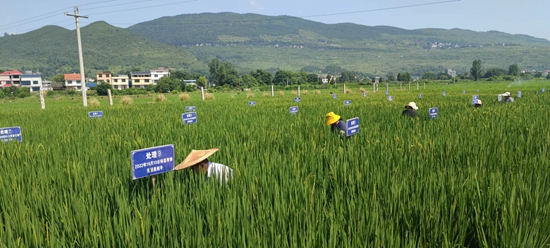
(251, 41)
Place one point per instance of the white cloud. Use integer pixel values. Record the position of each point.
(256, 5)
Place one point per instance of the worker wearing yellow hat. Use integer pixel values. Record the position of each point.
(335, 122)
(198, 161)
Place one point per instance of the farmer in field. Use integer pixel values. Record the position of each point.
(410, 110)
(198, 161)
(478, 103)
(507, 97)
(336, 123)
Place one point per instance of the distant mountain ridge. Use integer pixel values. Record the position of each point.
(251, 41)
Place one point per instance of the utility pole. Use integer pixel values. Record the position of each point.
(80, 60)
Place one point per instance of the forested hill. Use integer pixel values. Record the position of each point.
(254, 29)
(52, 49)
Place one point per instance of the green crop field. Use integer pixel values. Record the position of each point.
(469, 178)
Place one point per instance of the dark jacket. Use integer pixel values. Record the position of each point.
(409, 112)
(340, 126)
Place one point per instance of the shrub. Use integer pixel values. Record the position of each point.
(94, 102)
(126, 100)
(249, 95)
(184, 97)
(208, 96)
(160, 98)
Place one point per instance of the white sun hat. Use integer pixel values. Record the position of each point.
(413, 105)
(506, 94)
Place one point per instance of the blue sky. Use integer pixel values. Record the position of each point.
(529, 17)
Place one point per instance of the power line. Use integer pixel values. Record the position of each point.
(101, 7)
(145, 7)
(50, 14)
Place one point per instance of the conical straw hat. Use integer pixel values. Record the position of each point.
(195, 157)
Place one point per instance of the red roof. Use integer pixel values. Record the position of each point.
(7, 85)
(14, 72)
(72, 76)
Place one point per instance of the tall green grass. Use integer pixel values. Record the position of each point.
(470, 178)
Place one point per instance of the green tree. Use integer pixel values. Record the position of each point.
(102, 88)
(261, 76)
(548, 76)
(494, 72)
(332, 69)
(165, 85)
(475, 71)
(249, 81)
(429, 76)
(223, 73)
(443, 76)
(202, 81)
(313, 78)
(179, 75)
(513, 70)
(347, 76)
(58, 78)
(283, 77)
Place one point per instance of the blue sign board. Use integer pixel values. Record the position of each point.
(387, 92)
(444, 93)
(95, 114)
(347, 102)
(10, 133)
(364, 94)
(294, 110)
(190, 108)
(519, 94)
(251, 103)
(152, 161)
(474, 99)
(543, 90)
(419, 95)
(333, 96)
(352, 126)
(433, 113)
(189, 118)
(499, 97)
(463, 92)
(390, 98)
(297, 99)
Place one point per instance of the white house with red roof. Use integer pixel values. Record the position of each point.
(10, 78)
(32, 81)
(72, 81)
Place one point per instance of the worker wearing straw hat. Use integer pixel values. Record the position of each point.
(507, 97)
(198, 161)
(335, 122)
(478, 103)
(410, 110)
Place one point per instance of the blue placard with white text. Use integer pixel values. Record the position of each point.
(189, 117)
(347, 102)
(419, 96)
(251, 103)
(519, 94)
(499, 97)
(474, 99)
(152, 161)
(297, 99)
(444, 93)
(190, 108)
(390, 98)
(543, 90)
(387, 92)
(463, 92)
(352, 126)
(294, 110)
(433, 112)
(11, 133)
(334, 96)
(364, 94)
(95, 114)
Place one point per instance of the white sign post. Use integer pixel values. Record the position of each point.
(272, 91)
(110, 97)
(42, 103)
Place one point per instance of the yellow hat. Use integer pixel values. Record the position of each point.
(195, 157)
(332, 118)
